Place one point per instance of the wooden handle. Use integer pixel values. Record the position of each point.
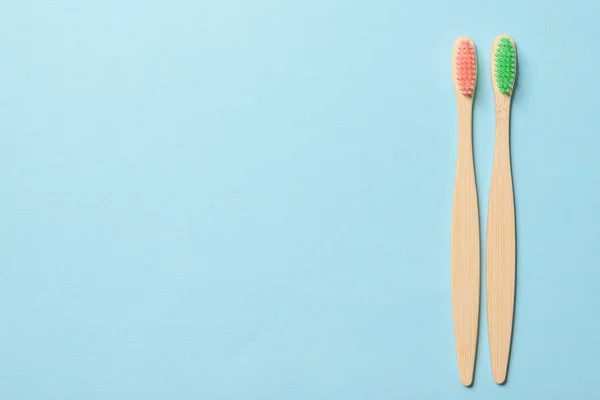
(500, 254)
(465, 248)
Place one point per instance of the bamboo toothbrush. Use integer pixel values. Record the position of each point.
(465, 257)
(500, 253)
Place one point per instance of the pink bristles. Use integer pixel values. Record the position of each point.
(465, 67)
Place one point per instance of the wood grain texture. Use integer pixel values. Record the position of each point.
(465, 246)
(500, 249)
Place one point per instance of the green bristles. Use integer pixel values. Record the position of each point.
(506, 65)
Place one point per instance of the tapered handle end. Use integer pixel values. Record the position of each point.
(466, 378)
(499, 375)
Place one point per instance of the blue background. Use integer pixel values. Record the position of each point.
(227, 199)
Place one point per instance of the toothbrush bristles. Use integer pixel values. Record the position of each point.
(466, 67)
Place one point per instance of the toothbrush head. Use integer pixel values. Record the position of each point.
(504, 64)
(464, 66)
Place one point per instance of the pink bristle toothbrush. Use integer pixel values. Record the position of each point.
(465, 252)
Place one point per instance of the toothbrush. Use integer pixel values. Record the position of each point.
(500, 253)
(465, 247)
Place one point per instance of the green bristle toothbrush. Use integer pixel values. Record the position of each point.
(500, 252)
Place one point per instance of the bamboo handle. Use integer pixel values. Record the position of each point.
(465, 248)
(500, 254)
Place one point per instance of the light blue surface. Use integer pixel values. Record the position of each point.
(251, 200)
